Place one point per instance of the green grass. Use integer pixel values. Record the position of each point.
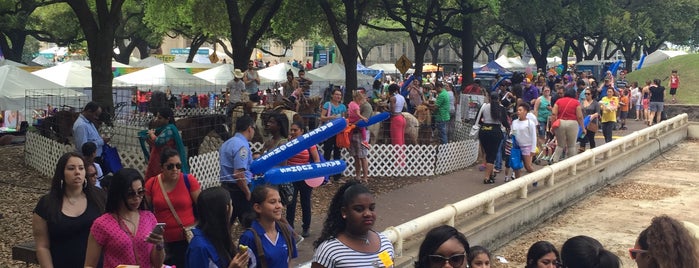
(687, 67)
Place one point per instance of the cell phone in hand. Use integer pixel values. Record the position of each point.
(159, 228)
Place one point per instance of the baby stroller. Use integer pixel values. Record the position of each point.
(547, 149)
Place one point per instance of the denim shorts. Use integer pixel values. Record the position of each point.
(656, 106)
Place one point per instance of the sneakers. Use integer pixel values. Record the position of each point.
(366, 145)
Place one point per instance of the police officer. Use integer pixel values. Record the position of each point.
(235, 159)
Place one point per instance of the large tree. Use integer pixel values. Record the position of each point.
(536, 22)
(248, 22)
(19, 19)
(99, 23)
(370, 38)
(423, 21)
(132, 33)
(344, 20)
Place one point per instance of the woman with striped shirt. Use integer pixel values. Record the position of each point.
(347, 239)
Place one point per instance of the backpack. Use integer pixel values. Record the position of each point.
(342, 139)
(286, 234)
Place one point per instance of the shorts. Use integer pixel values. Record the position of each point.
(526, 150)
(356, 148)
(656, 106)
(673, 91)
(624, 114)
(646, 104)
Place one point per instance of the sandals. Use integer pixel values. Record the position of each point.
(490, 180)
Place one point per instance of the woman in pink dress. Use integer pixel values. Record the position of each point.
(125, 234)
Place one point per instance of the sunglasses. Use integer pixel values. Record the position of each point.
(588, 93)
(133, 194)
(633, 252)
(173, 166)
(455, 260)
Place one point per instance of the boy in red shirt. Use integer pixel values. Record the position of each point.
(623, 108)
(674, 84)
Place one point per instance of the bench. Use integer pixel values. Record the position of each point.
(25, 252)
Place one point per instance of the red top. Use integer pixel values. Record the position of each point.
(301, 158)
(182, 202)
(566, 108)
(674, 81)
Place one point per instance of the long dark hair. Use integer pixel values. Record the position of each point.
(584, 251)
(539, 250)
(334, 223)
(283, 123)
(214, 222)
(57, 191)
(119, 188)
(434, 239)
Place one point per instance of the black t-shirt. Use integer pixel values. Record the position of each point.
(68, 236)
(657, 94)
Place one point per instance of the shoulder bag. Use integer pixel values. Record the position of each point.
(477, 125)
(187, 230)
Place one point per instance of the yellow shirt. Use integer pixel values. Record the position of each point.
(608, 106)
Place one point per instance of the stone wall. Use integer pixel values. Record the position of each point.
(691, 110)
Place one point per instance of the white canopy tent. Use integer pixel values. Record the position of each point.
(69, 74)
(512, 64)
(86, 64)
(335, 73)
(220, 75)
(23, 91)
(277, 73)
(161, 77)
(147, 62)
(661, 55)
(185, 65)
(388, 68)
(12, 63)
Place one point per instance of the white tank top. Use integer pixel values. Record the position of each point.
(400, 102)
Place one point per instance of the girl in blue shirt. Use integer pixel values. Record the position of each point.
(274, 236)
(211, 245)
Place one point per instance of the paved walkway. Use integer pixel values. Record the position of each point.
(412, 201)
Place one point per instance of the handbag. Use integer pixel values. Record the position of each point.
(112, 160)
(286, 193)
(516, 155)
(186, 230)
(476, 125)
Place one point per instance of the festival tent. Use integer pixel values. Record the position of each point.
(661, 55)
(69, 74)
(366, 71)
(23, 91)
(513, 64)
(12, 63)
(147, 62)
(493, 67)
(277, 73)
(220, 75)
(335, 73)
(42, 61)
(388, 68)
(86, 64)
(162, 76)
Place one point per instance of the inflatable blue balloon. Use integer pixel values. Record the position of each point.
(373, 120)
(301, 172)
(586, 121)
(295, 146)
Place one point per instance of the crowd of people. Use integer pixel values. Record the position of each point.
(92, 220)
(527, 116)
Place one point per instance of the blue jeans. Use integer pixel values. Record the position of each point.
(442, 130)
(498, 158)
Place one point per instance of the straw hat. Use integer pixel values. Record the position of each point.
(238, 73)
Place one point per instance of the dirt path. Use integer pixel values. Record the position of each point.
(617, 214)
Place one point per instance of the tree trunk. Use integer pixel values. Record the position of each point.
(143, 50)
(420, 51)
(564, 54)
(13, 53)
(467, 46)
(197, 42)
(100, 50)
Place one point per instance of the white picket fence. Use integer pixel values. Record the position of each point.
(385, 160)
